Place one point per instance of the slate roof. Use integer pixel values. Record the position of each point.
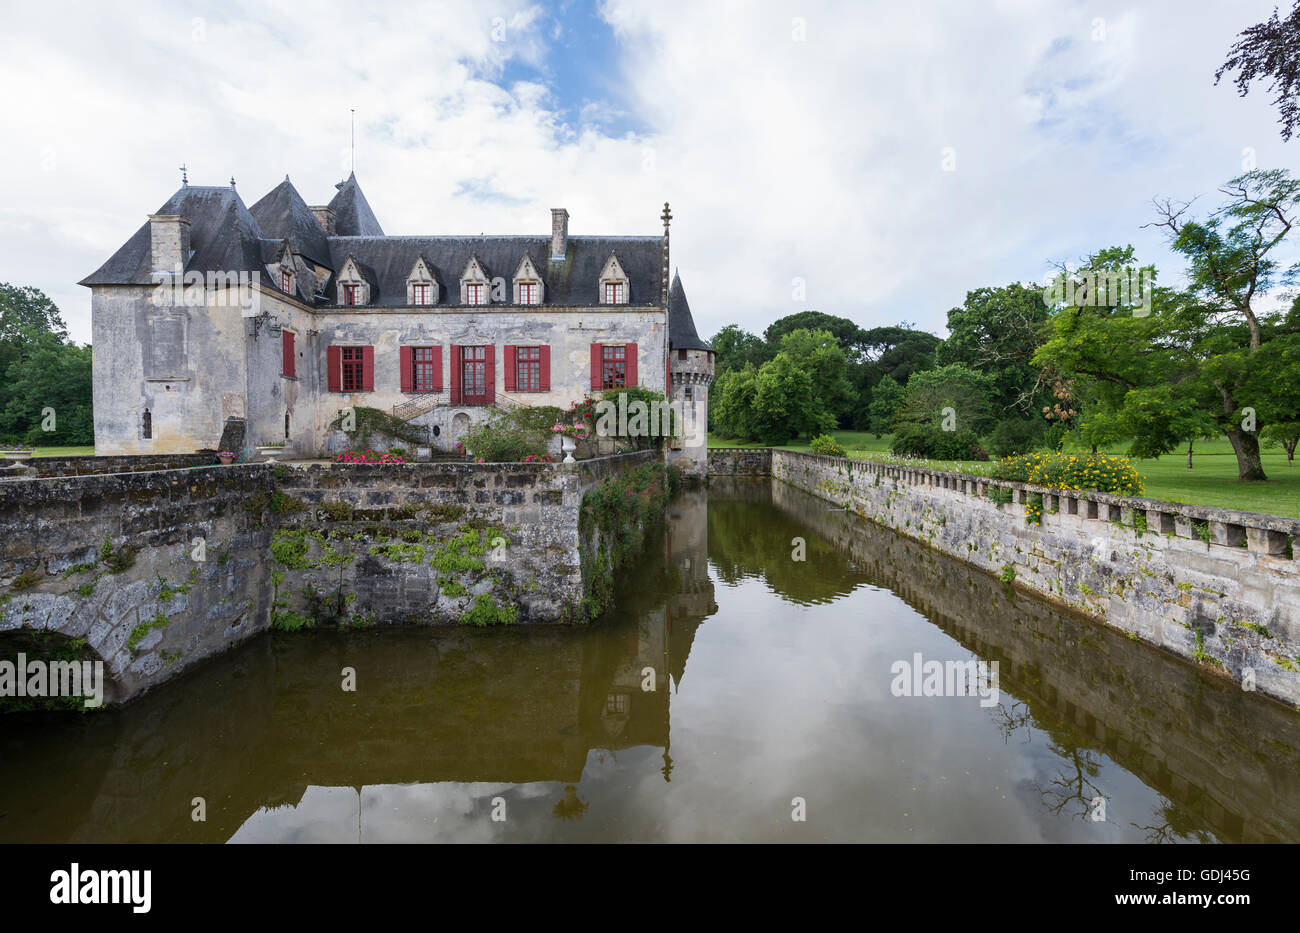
(352, 213)
(681, 325)
(282, 214)
(225, 236)
(575, 281)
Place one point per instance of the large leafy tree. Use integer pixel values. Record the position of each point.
(885, 399)
(820, 353)
(1270, 51)
(997, 331)
(846, 333)
(734, 349)
(898, 351)
(954, 393)
(42, 371)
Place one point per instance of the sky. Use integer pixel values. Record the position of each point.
(875, 161)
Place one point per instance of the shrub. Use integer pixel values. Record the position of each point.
(931, 443)
(1016, 436)
(827, 446)
(1098, 472)
(511, 436)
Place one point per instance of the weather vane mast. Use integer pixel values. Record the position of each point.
(185, 177)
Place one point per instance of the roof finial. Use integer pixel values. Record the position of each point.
(666, 217)
(185, 177)
(354, 140)
(232, 181)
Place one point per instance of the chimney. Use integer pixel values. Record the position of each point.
(325, 217)
(559, 232)
(170, 237)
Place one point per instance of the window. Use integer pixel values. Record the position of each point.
(528, 293)
(473, 379)
(528, 369)
(613, 367)
(681, 356)
(286, 281)
(475, 293)
(353, 369)
(424, 373)
(352, 294)
(420, 294)
(286, 425)
(146, 425)
(614, 292)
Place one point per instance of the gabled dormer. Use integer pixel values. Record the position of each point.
(280, 267)
(529, 287)
(475, 286)
(353, 287)
(421, 284)
(613, 283)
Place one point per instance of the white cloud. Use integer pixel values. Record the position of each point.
(817, 159)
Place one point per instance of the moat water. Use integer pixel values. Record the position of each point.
(771, 700)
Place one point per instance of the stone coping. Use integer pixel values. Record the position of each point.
(1261, 533)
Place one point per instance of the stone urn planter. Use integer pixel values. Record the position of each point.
(11, 453)
(568, 446)
(272, 453)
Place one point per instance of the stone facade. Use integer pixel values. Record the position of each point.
(282, 316)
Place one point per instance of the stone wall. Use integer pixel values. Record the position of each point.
(1218, 587)
(740, 461)
(90, 466)
(151, 572)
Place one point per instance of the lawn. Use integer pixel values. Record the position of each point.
(1212, 481)
(88, 451)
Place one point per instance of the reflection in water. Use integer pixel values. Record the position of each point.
(582, 734)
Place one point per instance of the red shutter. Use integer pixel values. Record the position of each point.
(367, 369)
(286, 351)
(408, 370)
(334, 357)
(631, 364)
(455, 374)
(490, 374)
(437, 368)
(510, 369)
(545, 369)
(595, 367)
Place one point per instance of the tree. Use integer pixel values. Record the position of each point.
(1239, 351)
(898, 351)
(734, 349)
(948, 398)
(49, 386)
(885, 399)
(1270, 50)
(997, 331)
(1284, 434)
(819, 352)
(847, 334)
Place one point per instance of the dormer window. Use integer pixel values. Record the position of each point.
(613, 283)
(421, 286)
(286, 281)
(353, 289)
(474, 283)
(528, 283)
